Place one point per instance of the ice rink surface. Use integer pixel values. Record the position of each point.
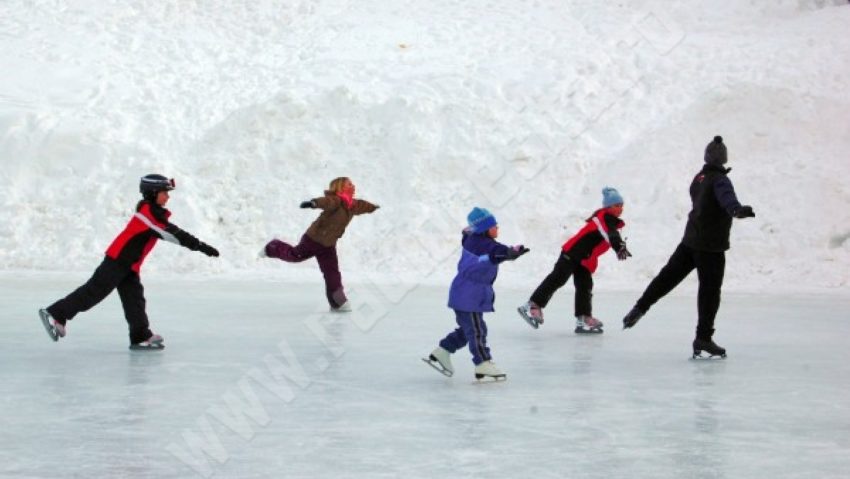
(257, 380)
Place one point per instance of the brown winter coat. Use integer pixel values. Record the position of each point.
(330, 225)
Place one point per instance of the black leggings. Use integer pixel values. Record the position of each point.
(564, 268)
(710, 267)
(107, 277)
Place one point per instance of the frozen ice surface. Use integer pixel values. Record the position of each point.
(352, 399)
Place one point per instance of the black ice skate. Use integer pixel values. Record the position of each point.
(632, 317)
(154, 343)
(588, 325)
(54, 328)
(707, 345)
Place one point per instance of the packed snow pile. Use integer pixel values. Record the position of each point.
(527, 108)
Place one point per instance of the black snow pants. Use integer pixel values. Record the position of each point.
(108, 276)
(564, 268)
(710, 267)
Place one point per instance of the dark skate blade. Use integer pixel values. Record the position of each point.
(151, 347)
(528, 319)
(51, 331)
(588, 331)
(438, 367)
(708, 357)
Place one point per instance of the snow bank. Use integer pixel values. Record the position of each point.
(527, 108)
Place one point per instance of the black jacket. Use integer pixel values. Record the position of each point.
(714, 204)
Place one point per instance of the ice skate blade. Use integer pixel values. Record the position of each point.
(588, 331)
(709, 357)
(534, 323)
(149, 347)
(484, 379)
(45, 320)
(436, 365)
(343, 308)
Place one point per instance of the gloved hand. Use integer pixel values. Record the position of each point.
(623, 253)
(745, 212)
(307, 204)
(516, 251)
(207, 249)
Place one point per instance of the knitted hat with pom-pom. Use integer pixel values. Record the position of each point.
(715, 152)
(611, 197)
(480, 220)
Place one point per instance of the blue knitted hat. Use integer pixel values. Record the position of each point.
(480, 220)
(610, 197)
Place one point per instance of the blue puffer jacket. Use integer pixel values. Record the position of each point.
(472, 288)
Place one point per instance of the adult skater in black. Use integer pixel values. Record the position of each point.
(703, 247)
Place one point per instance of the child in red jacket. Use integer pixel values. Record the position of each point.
(120, 268)
(579, 259)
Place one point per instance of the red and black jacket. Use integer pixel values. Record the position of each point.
(149, 224)
(597, 236)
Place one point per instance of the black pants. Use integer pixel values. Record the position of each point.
(564, 268)
(710, 267)
(107, 277)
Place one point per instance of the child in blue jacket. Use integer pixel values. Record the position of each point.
(471, 295)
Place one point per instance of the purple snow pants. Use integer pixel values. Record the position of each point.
(472, 331)
(325, 255)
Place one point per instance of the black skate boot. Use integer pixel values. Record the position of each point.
(709, 347)
(632, 317)
(154, 343)
(587, 324)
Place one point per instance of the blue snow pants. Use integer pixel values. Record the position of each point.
(472, 331)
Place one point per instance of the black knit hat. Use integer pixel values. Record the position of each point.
(715, 152)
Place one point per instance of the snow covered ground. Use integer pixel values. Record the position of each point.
(526, 107)
(260, 377)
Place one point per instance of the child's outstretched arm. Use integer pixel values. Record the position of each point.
(511, 253)
(507, 253)
(324, 202)
(618, 244)
(186, 240)
(362, 206)
(171, 232)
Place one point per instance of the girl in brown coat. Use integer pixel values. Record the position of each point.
(338, 207)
